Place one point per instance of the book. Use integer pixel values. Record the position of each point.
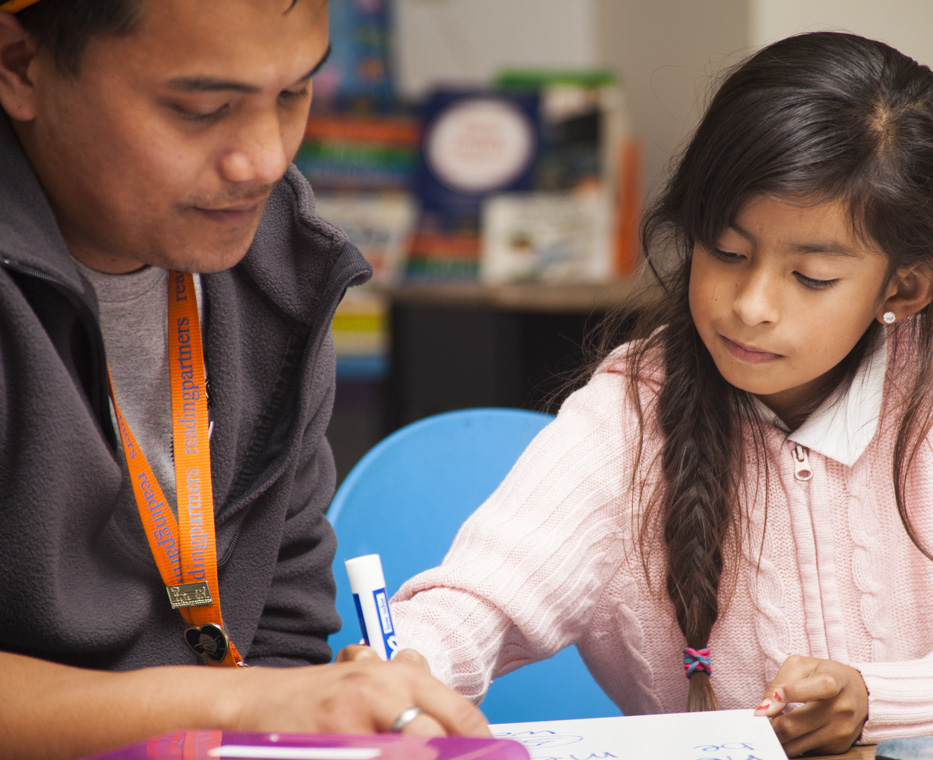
(346, 150)
(582, 120)
(379, 224)
(547, 236)
(588, 146)
(475, 142)
(209, 745)
(359, 67)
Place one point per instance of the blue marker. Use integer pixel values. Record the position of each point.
(368, 585)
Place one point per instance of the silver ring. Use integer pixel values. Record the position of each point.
(405, 717)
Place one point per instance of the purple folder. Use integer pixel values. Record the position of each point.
(228, 745)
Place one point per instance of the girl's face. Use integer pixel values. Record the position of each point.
(784, 296)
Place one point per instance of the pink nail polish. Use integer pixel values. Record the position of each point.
(763, 706)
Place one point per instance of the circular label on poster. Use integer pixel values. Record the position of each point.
(479, 145)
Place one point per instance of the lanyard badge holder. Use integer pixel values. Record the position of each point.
(185, 550)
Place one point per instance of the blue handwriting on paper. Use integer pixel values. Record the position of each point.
(544, 740)
(540, 739)
(727, 751)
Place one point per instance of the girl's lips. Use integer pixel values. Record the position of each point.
(747, 353)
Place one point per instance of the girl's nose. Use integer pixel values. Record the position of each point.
(756, 299)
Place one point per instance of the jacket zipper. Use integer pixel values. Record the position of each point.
(88, 316)
(347, 282)
(802, 469)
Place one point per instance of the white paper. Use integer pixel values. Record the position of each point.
(723, 735)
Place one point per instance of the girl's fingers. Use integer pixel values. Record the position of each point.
(805, 743)
(804, 720)
(795, 668)
(810, 689)
(773, 703)
(825, 739)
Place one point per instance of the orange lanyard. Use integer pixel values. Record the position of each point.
(185, 551)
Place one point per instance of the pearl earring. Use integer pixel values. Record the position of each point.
(889, 317)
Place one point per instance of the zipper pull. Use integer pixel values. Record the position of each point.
(802, 469)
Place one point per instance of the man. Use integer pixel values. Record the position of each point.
(141, 141)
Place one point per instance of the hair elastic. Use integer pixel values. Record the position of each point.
(696, 659)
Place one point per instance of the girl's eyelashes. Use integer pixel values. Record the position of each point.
(726, 255)
(814, 284)
(810, 282)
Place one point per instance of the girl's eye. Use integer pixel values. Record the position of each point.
(809, 282)
(726, 255)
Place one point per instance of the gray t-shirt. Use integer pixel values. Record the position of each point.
(133, 320)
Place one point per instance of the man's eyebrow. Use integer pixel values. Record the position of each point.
(217, 84)
(828, 247)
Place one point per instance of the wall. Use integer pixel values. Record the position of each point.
(667, 51)
(468, 41)
(663, 50)
(905, 24)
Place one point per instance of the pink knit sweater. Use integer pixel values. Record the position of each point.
(551, 559)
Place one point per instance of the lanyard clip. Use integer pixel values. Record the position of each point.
(190, 595)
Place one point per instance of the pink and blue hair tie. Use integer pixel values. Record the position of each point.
(696, 659)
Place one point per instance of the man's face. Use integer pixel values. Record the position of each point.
(165, 147)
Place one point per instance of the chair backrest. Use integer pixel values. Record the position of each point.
(406, 499)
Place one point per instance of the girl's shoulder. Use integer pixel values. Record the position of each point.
(623, 386)
(640, 362)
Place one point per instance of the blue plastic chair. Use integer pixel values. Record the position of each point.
(406, 499)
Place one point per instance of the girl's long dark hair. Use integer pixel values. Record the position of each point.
(812, 118)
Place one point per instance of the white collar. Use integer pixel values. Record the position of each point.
(844, 424)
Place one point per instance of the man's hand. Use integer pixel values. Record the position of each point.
(358, 694)
(355, 652)
(362, 696)
(832, 706)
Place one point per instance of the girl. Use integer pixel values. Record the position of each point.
(743, 489)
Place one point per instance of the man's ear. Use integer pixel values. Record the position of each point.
(913, 291)
(17, 52)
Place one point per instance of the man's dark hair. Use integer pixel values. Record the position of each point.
(64, 27)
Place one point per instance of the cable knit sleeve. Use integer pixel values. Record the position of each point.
(900, 698)
(895, 580)
(523, 575)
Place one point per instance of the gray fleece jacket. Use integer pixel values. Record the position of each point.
(78, 583)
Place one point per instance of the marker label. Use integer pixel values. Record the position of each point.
(367, 583)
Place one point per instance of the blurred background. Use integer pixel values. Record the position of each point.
(491, 158)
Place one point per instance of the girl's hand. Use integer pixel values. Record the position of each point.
(832, 706)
